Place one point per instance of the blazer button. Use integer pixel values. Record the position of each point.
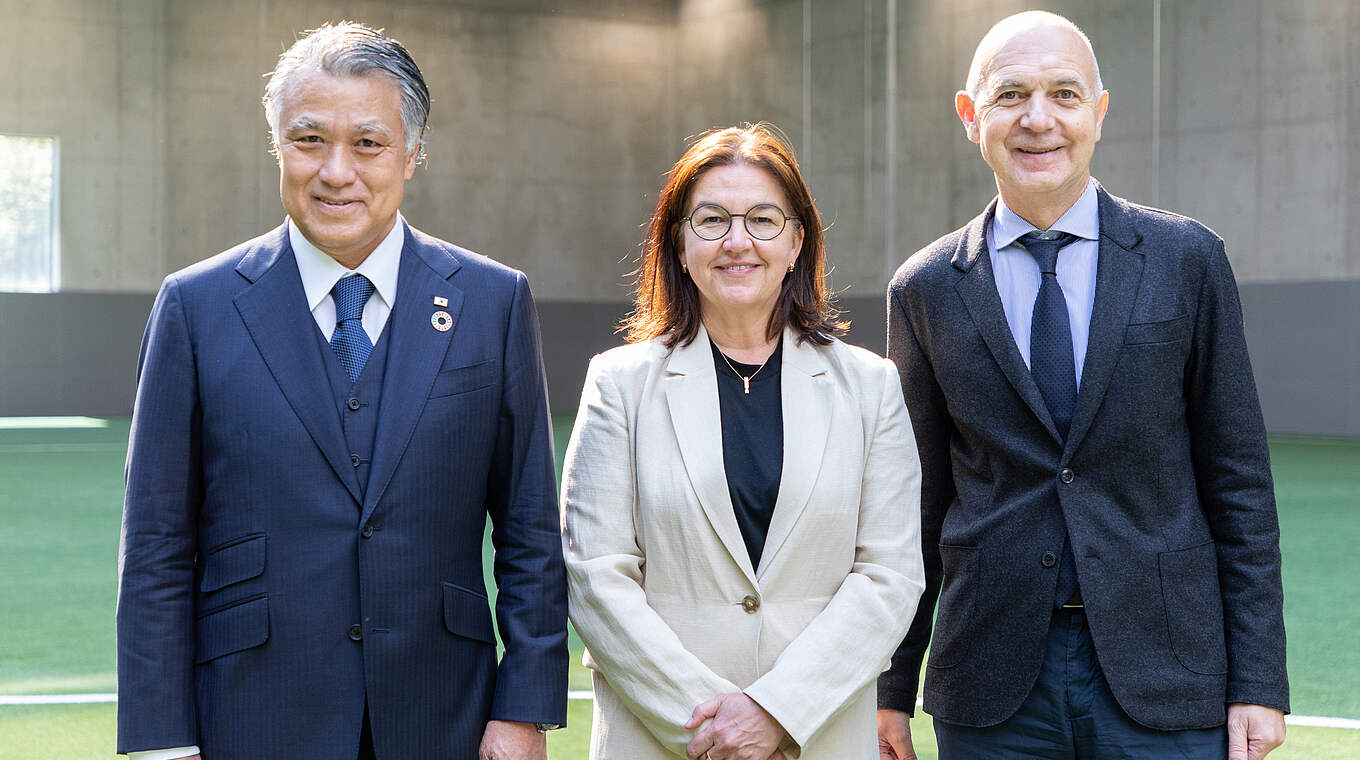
(367, 532)
(353, 404)
(1049, 559)
(354, 459)
(356, 632)
(750, 604)
(1066, 475)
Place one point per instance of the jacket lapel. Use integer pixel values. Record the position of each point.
(807, 403)
(1119, 269)
(691, 388)
(274, 309)
(415, 352)
(977, 288)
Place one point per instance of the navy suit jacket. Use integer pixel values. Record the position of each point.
(251, 561)
(1163, 483)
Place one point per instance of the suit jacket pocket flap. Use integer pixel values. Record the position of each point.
(1194, 608)
(239, 625)
(958, 592)
(464, 379)
(238, 560)
(1165, 331)
(468, 614)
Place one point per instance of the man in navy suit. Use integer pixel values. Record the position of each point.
(326, 416)
(1098, 516)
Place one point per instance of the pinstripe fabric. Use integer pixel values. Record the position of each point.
(238, 448)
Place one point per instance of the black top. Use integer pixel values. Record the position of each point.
(752, 443)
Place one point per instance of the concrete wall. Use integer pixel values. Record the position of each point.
(553, 123)
(92, 74)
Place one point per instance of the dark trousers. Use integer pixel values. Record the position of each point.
(1071, 715)
(366, 739)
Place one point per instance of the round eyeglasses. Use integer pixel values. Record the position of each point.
(764, 222)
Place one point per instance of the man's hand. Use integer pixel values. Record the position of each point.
(894, 736)
(1253, 731)
(512, 740)
(740, 729)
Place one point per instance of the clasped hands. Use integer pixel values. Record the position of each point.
(738, 729)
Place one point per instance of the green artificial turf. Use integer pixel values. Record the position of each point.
(61, 500)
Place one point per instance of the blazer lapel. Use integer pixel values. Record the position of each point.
(806, 399)
(415, 352)
(691, 388)
(274, 309)
(1119, 269)
(977, 288)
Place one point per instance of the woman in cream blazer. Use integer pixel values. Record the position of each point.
(700, 644)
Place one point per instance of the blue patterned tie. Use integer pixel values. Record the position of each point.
(350, 341)
(1053, 365)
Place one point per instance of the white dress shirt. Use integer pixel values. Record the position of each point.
(1018, 277)
(319, 274)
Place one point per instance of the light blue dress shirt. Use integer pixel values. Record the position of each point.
(1017, 274)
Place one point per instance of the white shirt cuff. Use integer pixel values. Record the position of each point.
(163, 754)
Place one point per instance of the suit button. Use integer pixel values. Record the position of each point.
(356, 632)
(353, 404)
(367, 532)
(1049, 559)
(1066, 475)
(354, 459)
(750, 604)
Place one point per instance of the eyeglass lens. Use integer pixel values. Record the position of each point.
(763, 222)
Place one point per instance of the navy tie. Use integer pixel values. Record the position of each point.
(350, 341)
(1053, 365)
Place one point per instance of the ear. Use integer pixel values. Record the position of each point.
(964, 107)
(797, 243)
(410, 170)
(1102, 105)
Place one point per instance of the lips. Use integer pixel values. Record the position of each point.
(335, 204)
(738, 268)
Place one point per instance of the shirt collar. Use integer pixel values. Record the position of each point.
(1082, 220)
(320, 272)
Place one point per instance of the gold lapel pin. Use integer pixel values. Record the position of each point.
(441, 320)
(441, 301)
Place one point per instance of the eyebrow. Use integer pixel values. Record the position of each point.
(372, 127)
(303, 123)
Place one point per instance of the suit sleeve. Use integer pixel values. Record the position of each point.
(1232, 473)
(155, 616)
(933, 427)
(531, 602)
(849, 643)
(651, 671)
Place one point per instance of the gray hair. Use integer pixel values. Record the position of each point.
(1004, 30)
(348, 49)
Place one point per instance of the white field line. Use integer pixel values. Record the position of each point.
(60, 448)
(84, 699)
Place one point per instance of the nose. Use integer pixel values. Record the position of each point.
(1038, 115)
(337, 168)
(737, 238)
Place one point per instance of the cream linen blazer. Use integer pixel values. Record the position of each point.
(662, 590)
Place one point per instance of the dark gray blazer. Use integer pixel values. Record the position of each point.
(1164, 483)
(265, 598)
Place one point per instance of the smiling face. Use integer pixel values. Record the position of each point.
(1037, 116)
(738, 276)
(343, 162)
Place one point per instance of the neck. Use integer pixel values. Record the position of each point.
(742, 341)
(1042, 209)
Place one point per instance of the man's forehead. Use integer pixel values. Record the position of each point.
(1051, 53)
(362, 103)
